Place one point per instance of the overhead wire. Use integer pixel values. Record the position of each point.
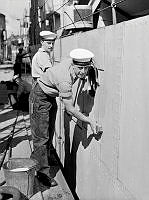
(79, 14)
(70, 19)
(9, 140)
(27, 133)
(62, 6)
(81, 19)
(36, 12)
(99, 10)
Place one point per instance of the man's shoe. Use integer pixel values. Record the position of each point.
(53, 182)
(46, 180)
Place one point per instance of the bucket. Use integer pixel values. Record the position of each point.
(20, 173)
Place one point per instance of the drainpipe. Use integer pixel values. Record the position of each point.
(53, 16)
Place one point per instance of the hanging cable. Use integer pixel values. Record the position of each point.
(52, 13)
(99, 10)
(26, 128)
(79, 14)
(9, 141)
(62, 6)
(70, 19)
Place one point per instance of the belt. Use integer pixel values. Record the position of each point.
(49, 86)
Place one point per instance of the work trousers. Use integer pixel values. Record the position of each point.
(42, 109)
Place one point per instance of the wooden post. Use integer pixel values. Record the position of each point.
(53, 16)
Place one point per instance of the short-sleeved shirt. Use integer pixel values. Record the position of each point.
(58, 80)
(40, 63)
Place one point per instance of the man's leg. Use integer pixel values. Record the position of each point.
(52, 119)
(39, 118)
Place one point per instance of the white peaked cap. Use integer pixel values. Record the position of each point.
(47, 35)
(81, 55)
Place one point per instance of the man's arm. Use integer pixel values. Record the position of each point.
(68, 102)
(44, 61)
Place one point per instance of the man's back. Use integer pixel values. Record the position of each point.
(40, 63)
(57, 78)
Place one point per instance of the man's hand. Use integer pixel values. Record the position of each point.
(95, 127)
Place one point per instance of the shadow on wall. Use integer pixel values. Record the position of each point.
(85, 103)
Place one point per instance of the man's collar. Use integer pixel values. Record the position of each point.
(41, 49)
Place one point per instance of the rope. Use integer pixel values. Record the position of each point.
(27, 133)
(9, 141)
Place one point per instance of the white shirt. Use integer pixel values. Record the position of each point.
(58, 80)
(40, 63)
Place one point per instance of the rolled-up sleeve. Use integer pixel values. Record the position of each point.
(44, 61)
(65, 89)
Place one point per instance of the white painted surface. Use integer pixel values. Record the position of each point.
(115, 167)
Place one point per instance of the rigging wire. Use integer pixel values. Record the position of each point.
(99, 10)
(36, 12)
(70, 19)
(57, 8)
(62, 6)
(79, 14)
(27, 133)
(9, 140)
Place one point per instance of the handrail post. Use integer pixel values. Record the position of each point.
(113, 5)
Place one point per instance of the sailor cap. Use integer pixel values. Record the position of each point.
(81, 56)
(47, 35)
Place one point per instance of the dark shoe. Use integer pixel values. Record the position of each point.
(53, 182)
(46, 180)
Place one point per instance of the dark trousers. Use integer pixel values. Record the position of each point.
(42, 109)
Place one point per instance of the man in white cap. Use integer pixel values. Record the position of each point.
(43, 59)
(56, 81)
